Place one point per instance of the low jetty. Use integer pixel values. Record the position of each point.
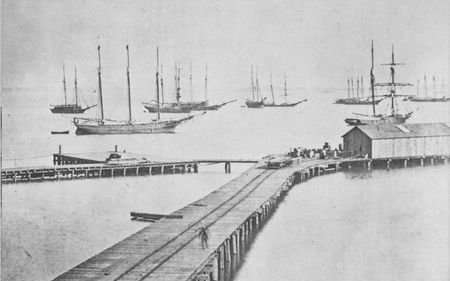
(106, 164)
(170, 249)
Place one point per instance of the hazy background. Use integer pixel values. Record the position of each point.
(316, 43)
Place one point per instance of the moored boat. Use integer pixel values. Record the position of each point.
(284, 104)
(105, 126)
(256, 101)
(394, 117)
(67, 108)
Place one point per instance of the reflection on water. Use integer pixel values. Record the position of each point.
(383, 225)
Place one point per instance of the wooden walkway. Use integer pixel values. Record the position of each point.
(170, 248)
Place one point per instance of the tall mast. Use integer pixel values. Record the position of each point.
(178, 84)
(357, 87)
(64, 84)
(362, 87)
(393, 82)
(353, 88)
(425, 85)
(206, 82)
(162, 86)
(348, 87)
(157, 84)
(372, 83)
(100, 83)
(418, 85)
(271, 88)
(128, 84)
(285, 86)
(76, 88)
(257, 84)
(434, 86)
(253, 87)
(190, 80)
(176, 80)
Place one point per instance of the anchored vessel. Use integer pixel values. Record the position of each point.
(106, 126)
(352, 100)
(285, 104)
(69, 108)
(258, 102)
(425, 98)
(394, 117)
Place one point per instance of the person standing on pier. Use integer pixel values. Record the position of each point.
(203, 235)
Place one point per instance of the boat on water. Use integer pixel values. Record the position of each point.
(393, 117)
(60, 132)
(173, 107)
(152, 107)
(256, 101)
(356, 100)
(107, 126)
(285, 104)
(67, 108)
(425, 98)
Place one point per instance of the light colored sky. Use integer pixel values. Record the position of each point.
(315, 42)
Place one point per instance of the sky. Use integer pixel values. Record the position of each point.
(317, 44)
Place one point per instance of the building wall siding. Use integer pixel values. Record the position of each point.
(356, 143)
(411, 147)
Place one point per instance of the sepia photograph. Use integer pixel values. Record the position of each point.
(205, 140)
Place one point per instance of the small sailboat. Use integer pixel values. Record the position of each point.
(69, 108)
(394, 117)
(258, 102)
(425, 98)
(60, 132)
(106, 126)
(285, 104)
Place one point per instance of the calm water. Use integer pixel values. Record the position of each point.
(48, 228)
(382, 225)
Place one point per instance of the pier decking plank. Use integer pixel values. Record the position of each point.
(170, 249)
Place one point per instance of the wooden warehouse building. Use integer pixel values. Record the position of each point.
(395, 141)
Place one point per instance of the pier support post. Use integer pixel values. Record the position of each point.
(421, 161)
(388, 164)
(195, 168)
(432, 161)
(405, 163)
(220, 264)
(369, 164)
(445, 160)
(238, 246)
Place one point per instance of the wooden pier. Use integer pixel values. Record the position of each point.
(169, 249)
(83, 171)
(98, 165)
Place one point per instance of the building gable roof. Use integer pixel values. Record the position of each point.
(396, 131)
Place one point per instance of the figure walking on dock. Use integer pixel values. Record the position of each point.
(203, 235)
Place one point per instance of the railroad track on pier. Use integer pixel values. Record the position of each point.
(142, 268)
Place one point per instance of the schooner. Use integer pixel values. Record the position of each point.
(69, 108)
(394, 117)
(107, 126)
